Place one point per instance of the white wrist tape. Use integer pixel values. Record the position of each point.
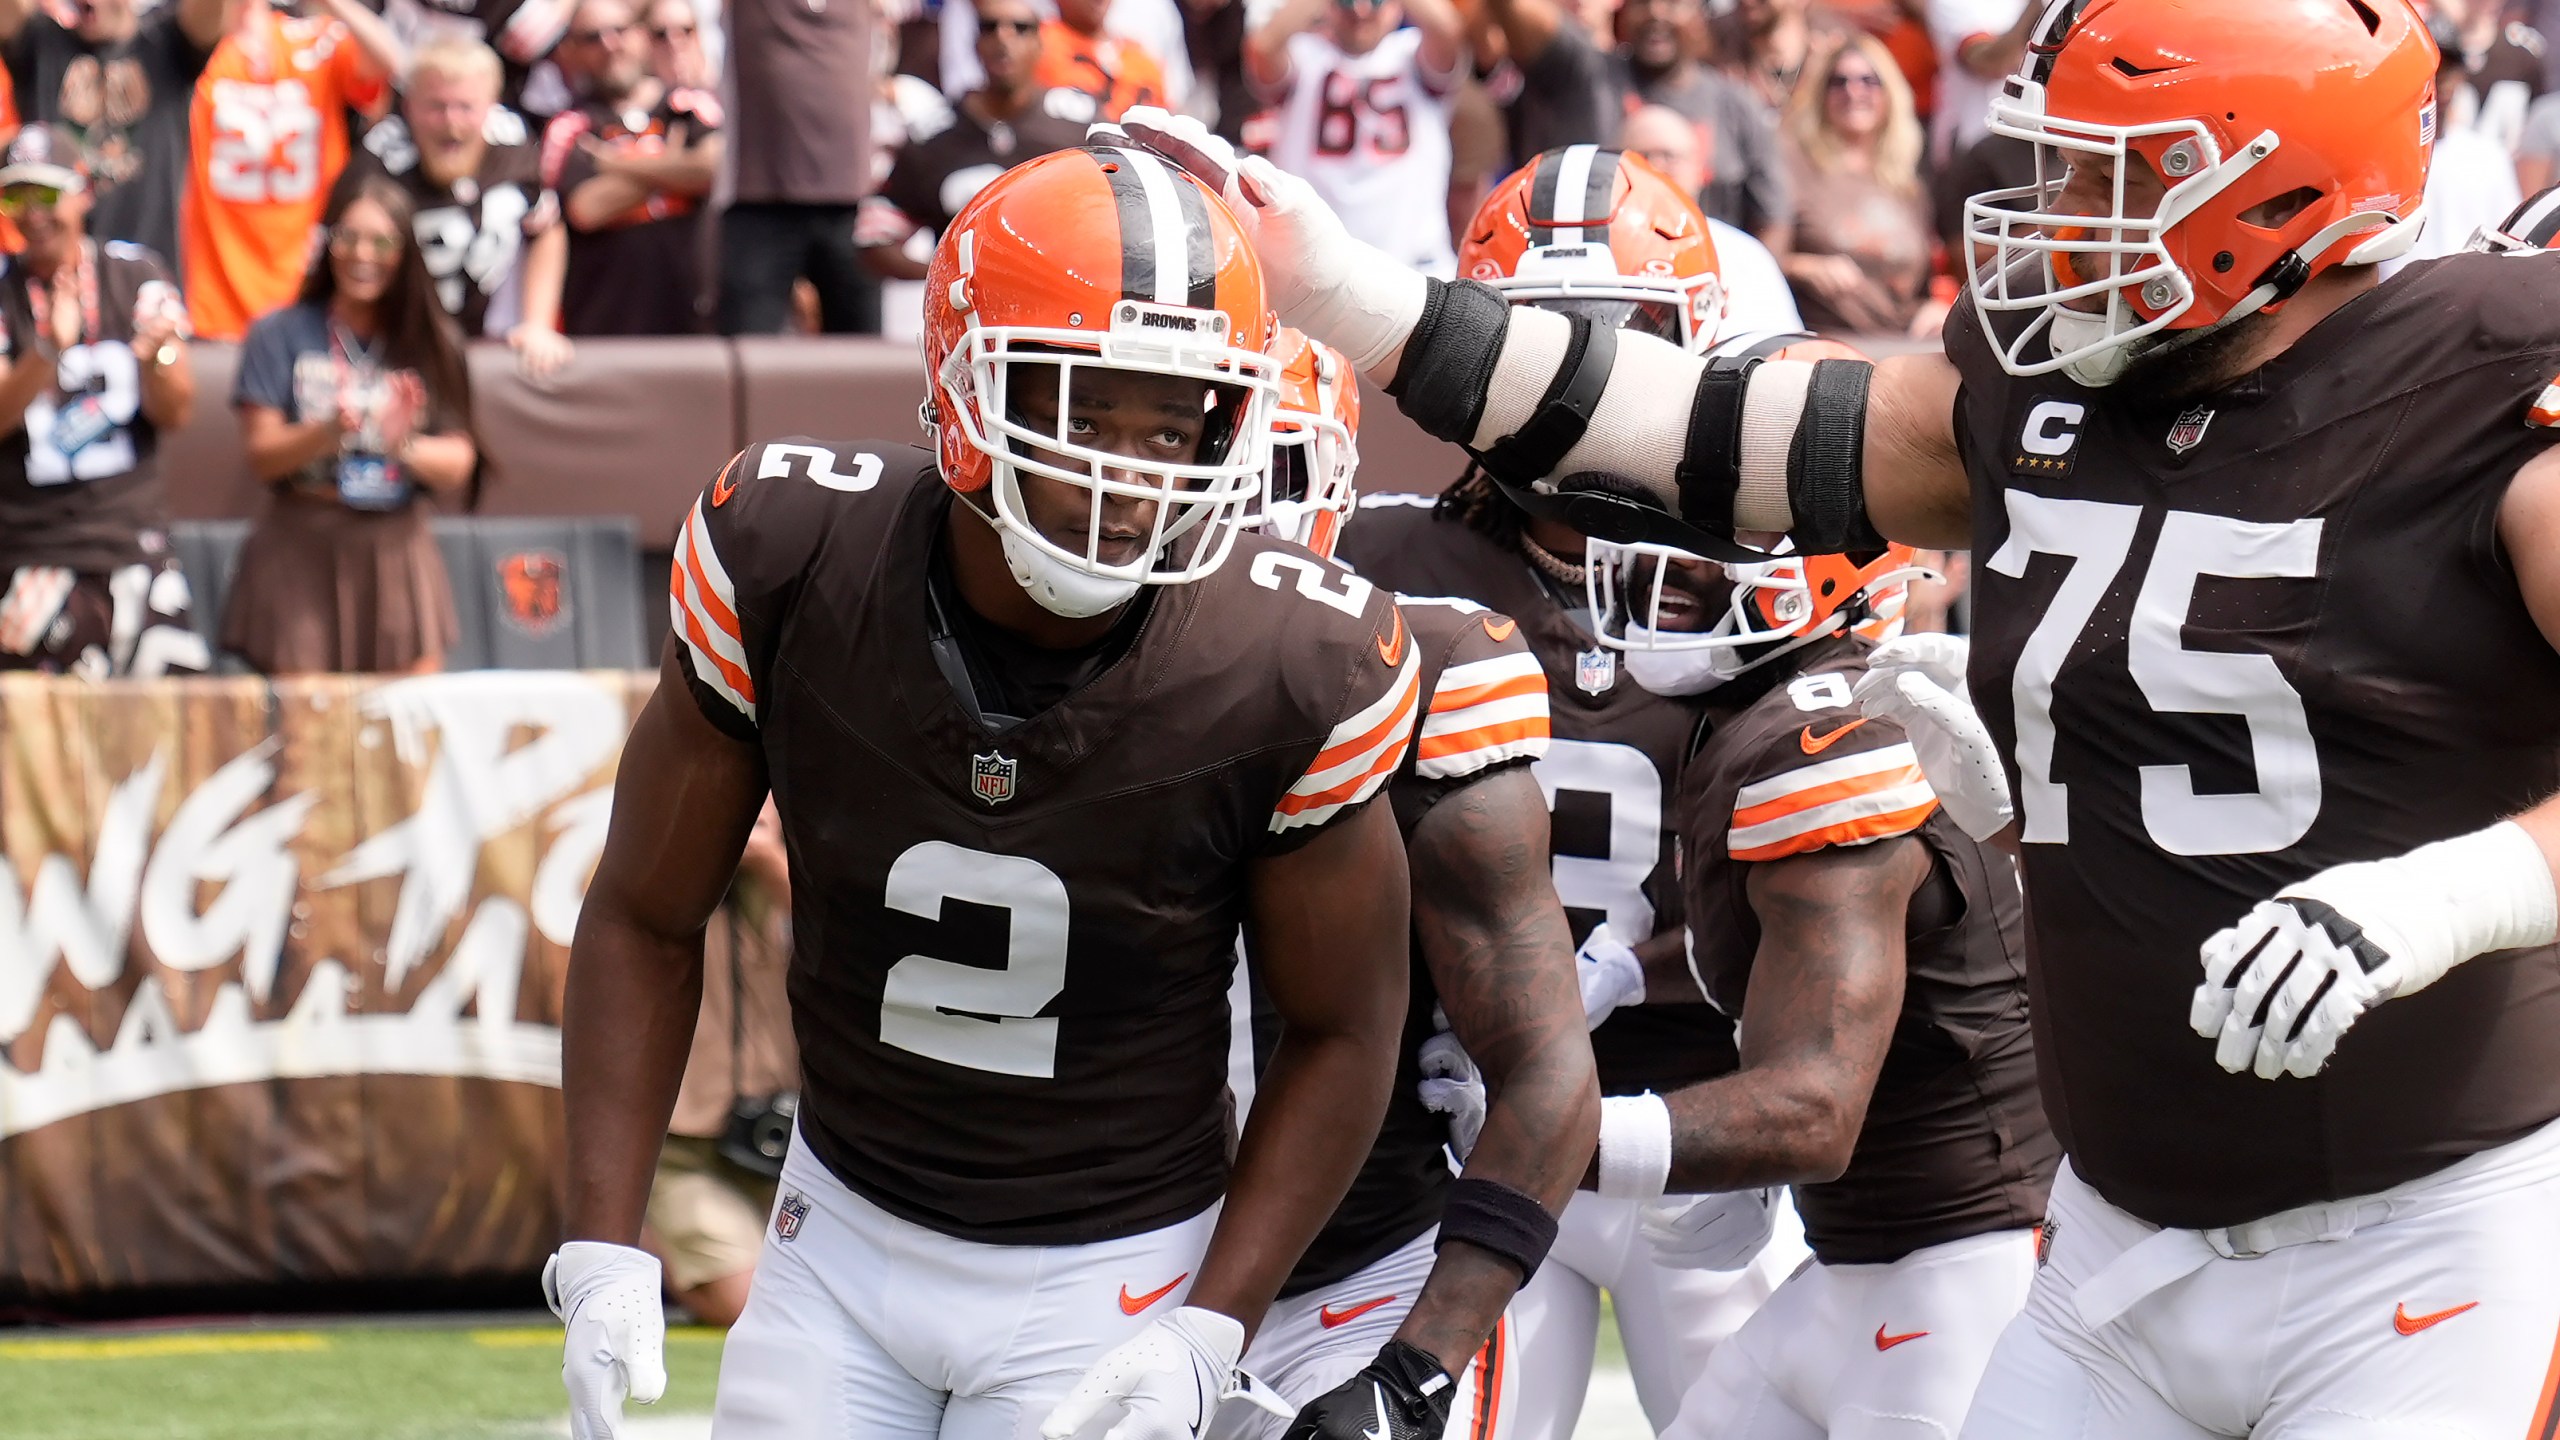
(2441, 904)
(1370, 316)
(1635, 1147)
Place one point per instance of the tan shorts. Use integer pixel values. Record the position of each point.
(708, 1213)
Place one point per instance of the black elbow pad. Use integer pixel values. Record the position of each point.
(1826, 468)
(1448, 360)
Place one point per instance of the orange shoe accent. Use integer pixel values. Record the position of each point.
(1815, 744)
(1501, 631)
(2408, 1324)
(1886, 1342)
(1328, 1317)
(1132, 1304)
(1392, 651)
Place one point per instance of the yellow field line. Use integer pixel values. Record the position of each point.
(140, 1346)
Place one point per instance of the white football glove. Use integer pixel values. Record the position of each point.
(1711, 1232)
(1167, 1380)
(608, 1297)
(1917, 682)
(1452, 1086)
(1610, 973)
(2282, 985)
(1322, 279)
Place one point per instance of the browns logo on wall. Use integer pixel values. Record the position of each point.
(280, 973)
(535, 584)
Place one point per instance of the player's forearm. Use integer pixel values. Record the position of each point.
(595, 201)
(689, 171)
(546, 275)
(626, 1027)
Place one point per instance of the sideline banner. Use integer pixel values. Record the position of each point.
(280, 972)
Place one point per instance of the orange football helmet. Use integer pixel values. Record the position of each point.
(2289, 136)
(1656, 603)
(1589, 229)
(1099, 259)
(1307, 491)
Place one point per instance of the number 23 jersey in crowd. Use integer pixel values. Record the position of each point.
(2230, 644)
(1012, 948)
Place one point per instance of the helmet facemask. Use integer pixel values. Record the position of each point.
(1583, 279)
(1307, 489)
(1687, 624)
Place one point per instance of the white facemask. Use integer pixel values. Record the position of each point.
(1060, 588)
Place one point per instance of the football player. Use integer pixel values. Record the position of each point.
(1389, 1325)
(1044, 729)
(1586, 230)
(2265, 621)
(1874, 954)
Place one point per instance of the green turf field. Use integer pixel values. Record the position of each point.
(323, 1383)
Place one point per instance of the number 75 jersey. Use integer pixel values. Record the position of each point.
(1012, 948)
(2229, 643)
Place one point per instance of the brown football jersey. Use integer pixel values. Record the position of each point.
(2231, 643)
(1486, 712)
(1609, 771)
(1955, 1141)
(80, 482)
(1012, 945)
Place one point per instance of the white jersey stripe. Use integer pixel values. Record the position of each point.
(1828, 772)
(1484, 712)
(1487, 672)
(1820, 817)
(1354, 757)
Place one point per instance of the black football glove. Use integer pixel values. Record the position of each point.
(1402, 1395)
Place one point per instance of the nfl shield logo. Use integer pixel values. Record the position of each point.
(1595, 670)
(2188, 433)
(788, 1215)
(991, 776)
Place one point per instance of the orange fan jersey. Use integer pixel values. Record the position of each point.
(1117, 73)
(268, 136)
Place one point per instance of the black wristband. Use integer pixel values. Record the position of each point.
(1826, 468)
(1711, 462)
(1498, 1219)
(1448, 360)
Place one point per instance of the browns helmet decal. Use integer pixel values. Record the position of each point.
(533, 583)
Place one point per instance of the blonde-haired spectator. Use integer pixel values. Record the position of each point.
(1860, 261)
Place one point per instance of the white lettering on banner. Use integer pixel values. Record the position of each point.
(498, 751)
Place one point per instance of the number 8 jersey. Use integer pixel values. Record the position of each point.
(1012, 946)
(2233, 642)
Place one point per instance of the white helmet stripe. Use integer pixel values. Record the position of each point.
(1172, 243)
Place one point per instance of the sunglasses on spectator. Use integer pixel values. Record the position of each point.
(1856, 80)
(18, 199)
(343, 241)
(602, 35)
(670, 34)
(1008, 27)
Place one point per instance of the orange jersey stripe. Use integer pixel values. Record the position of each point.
(716, 609)
(1387, 762)
(1797, 802)
(1447, 700)
(1333, 755)
(1483, 737)
(1847, 832)
(738, 679)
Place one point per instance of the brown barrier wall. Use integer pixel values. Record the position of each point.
(638, 427)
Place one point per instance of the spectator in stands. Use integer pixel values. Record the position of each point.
(2538, 150)
(800, 163)
(97, 368)
(676, 55)
(1757, 300)
(632, 162)
(1861, 257)
(1564, 73)
(525, 33)
(1765, 44)
(1077, 54)
(117, 82)
(268, 138)
(717, 1169)
(2471, 178)
(1363, 113)
(1979, 43)
(355, 404)
(2503, 64)
(1009, 119)
(488, 231)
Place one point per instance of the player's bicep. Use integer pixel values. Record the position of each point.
(685, 797)
(1329, 925)
(1493, 933)
(1827, 980)
(1917, 489)
(2529, 528)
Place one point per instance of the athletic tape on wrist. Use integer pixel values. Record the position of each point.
(1635, 1147)
(2444, 902)
(1496, 1218)
(1448, 360)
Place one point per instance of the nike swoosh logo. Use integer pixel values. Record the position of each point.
(1392, 651)
(1132, 1304)
(724, 487)
(2408, 1324)
(1328, 1317)
(1815, 744)
(1378, 1396)
(1501, 630)
(1886, 1342)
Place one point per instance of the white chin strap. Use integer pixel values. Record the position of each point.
(1060, 588)
(1691, 671)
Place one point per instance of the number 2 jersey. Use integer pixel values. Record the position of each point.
(1955, 1142)
(80, 482)
(1610, 772)
(2234, 642)
(1012, 947)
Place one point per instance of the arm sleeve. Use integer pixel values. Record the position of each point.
(1372, 729)
(1811, 778)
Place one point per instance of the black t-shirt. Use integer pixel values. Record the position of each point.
(949, 159)
(80, 482)
(638, 273)
(126, 105)
(472, 233)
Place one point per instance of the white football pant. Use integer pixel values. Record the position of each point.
(865, 1325)
(2426, 1312)
(1669, 1320)
(1310, 1343)
(1866, 1352)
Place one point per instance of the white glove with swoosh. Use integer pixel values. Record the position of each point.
(1452, 1086)
(616, 1347)
(1711, 1232)
(1917, 682)
(1167, 1380)
(1610, 973)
